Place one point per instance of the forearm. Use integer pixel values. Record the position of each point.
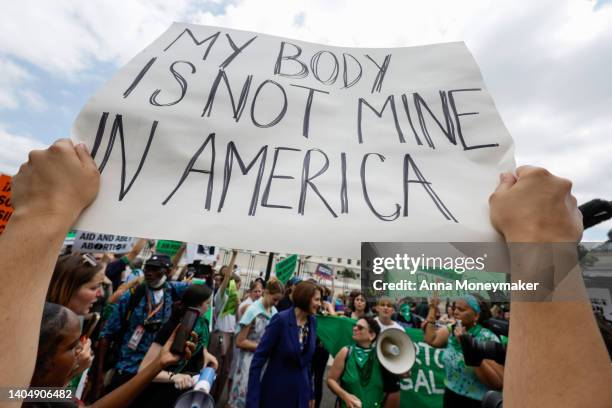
(30, 246)
(430, 334)
(114, 298)
(248, 345)
(549, 329)
(430, 328)
(490, 374)
(163, 377)
(124, 395)
(336, 388)
(177, 257)
(136, 249)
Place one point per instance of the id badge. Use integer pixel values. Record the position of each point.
(136, 337)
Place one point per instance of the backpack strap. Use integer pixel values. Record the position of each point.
(136, 295)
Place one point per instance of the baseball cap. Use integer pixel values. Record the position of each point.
(159, 260)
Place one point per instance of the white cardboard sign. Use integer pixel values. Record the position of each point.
(85, 241)
(251, 141)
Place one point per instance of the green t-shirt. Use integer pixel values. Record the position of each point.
(363, 377)
(460, 378)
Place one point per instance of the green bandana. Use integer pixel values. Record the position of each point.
(405, 312)
(474, 331)
(365, 361)
(232, 300)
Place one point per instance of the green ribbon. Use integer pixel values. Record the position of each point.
(232, 300)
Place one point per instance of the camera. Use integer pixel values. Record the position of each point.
(476, 351)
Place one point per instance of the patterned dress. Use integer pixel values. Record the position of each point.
(258, 318)
(462, 379)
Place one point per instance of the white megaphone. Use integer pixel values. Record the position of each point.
(199, 397)
(395, 351)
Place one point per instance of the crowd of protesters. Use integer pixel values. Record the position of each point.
(261, 341)
(109, 321)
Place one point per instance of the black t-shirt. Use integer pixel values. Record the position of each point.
(114, 271)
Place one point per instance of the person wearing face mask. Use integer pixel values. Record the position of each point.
(286, 349)
(251, 328)
(171, 383)
(134, 322)
(77, 284)
(56, 358)
(464, 386)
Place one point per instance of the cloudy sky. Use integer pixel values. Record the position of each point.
(547, 63)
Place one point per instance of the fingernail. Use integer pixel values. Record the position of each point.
(83, 146)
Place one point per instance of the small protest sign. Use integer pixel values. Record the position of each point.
(85, 241)
(69, 240)
(284, 269)
(169, 248)
(324, 271)
(196, 252)
(240, 134)
(6, 210)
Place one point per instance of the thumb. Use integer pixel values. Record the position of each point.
(506, 181)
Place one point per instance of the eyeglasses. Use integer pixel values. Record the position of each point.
(359, 327)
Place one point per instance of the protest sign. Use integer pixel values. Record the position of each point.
(424, 387)
(169, 248)
(324, 271)
(284, 269)
(196, 252)
(70, 237)
(6, 210)
(85, 241)
(263, 142)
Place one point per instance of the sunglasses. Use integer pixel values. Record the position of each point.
(88, 259)
(359, 327)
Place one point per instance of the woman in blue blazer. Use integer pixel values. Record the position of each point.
(280, 370)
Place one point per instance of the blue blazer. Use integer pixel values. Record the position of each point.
(286, 381)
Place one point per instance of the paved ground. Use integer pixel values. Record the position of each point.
(328, 401)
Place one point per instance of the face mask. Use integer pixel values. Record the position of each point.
(159, 283)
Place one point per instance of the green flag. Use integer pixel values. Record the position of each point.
(285, 268)
(425, 386)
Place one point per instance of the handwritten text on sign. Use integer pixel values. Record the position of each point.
(252, 141)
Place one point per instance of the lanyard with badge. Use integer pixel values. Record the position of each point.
(148, 324)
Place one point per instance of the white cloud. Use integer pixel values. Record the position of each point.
(546, 63)
(12, 77)
(33, 100)
(67, 36)
(15, 149)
